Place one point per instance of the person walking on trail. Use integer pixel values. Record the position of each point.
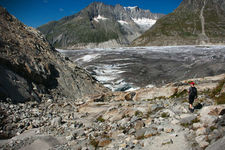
(193, 94)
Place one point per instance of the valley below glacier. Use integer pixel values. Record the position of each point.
(130, 68)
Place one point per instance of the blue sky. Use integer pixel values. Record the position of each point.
(38, 12)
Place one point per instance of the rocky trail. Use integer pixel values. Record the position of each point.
(120, 120)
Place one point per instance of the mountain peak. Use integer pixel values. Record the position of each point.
(99, 23)
(97, 4)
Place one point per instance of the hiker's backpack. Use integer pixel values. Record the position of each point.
(193, 91)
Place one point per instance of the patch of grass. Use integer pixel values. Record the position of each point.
(138, 113)
(194, 144)
(216, 95)
(161, 97)
(213, 128)
(120, 105)
(100, 119)
(186, 125)
(220, 99)
(217, 89)
(184, 100)
(149, 113)
(94, 143)
(196, 120)
(141, 137)
(157, 98)
(121, 128)
(179, 94)
(165, 115)
(201, 99)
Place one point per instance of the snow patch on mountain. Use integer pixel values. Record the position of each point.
(144, 23)
(100, 18)
(129, 7)
(122, 22)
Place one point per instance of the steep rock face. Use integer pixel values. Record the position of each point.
(30, 67)
(96, 24)
(136, 12)
(193, 22)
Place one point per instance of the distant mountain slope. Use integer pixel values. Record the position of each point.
(99, 25)
(30, 69)
(193, 22)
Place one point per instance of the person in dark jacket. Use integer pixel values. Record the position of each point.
(193, 94)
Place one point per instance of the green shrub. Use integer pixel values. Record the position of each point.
(196, 120)
(149, 113)
(186, 125)
(220, 99)
(165, 115)
(213, 128)
(217, 89)
(100, 119)
(216, 95)
(138, 113)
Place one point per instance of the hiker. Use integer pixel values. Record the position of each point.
(193, 94)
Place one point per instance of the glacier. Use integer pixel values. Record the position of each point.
(129, 68)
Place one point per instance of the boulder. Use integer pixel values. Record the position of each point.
(139, 124)
(151, 93)
(187, 118)
(218, 145)
(130, 96)
(201, 131)
(197, 125)
(140, 133)
(209, 115)
(201, 140)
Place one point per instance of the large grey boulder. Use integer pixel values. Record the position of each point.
(218, 145)
(187, 118)
(210, 114)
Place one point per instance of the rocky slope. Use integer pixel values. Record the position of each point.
(99, 25)
(144, 119)
(193, 22)
(32, 70)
